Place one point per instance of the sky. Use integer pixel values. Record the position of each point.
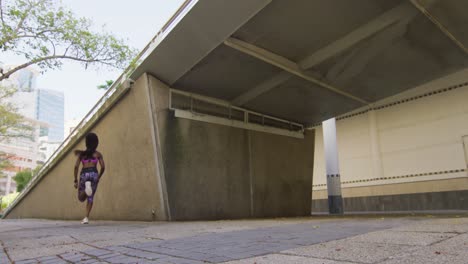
(136, 20)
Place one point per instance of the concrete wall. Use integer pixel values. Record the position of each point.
(179, 169)
(410, 147)
(129, 187)
(220, 172)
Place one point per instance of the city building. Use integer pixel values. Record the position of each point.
(44, 112)
(24, 80)
(22, 152)
(50, 109)
(47, 148)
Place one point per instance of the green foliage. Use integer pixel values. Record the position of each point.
(22, 179)
(4, 163)
(106, 86)
(12, 124)
(45, 34)
(7, 200)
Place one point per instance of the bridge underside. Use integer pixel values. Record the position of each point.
(291, 62)
(307, 61)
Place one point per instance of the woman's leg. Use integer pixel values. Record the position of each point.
(89, 206)
(82, 196)
(94, 182)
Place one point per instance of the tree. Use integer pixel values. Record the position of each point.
(45, 34)
(4, 163)
(106, 85)
(22, 179)
(12, 124)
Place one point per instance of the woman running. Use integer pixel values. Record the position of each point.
(89, 176)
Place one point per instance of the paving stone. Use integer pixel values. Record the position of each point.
(175, 260)
(96, 252)
(452, 226)
(402, 238)
(41, 241)
(110, 255)
(279, 258)
(51, 260)
(221, 241)
(426, 257)
(5, 260)
(89, 261)
(74, 257)
(28, 261)
(344, 250)
(454, 245)
(58, 261)
(137, 253)
(122, 260)
(44, 250)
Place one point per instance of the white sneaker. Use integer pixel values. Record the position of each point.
(85, 221)
(88, 189)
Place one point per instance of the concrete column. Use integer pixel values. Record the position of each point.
(335, 200)
(376, 165)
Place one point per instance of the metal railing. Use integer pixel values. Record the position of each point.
(203, 106)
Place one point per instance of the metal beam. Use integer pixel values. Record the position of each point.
(285, 64)
(366, 31)
(238, 124)
(262, 88)
(437, 23)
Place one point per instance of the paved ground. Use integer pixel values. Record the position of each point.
(299, 240)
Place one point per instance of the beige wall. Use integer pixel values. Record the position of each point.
(128, 190)
(419, 141)
(445, 185)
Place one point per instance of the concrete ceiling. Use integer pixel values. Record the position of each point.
(307, 61)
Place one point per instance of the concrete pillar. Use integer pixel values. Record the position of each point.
(376, 165)
(335, 200)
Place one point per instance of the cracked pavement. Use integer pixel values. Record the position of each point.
(288, 240)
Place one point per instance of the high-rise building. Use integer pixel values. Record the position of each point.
(22, 152)
(24, 80)
(44, 112)
(50, 109)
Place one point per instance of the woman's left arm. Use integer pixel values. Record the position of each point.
(102, 164)
(75, 171)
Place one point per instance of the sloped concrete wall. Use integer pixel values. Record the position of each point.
(219, 172)
(129, 189)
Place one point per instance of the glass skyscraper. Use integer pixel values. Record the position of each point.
(26, 80)
(50, 109)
